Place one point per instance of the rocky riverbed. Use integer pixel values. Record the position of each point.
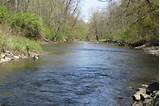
(7, 56)
(147, 95)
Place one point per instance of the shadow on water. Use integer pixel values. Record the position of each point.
(77, 74)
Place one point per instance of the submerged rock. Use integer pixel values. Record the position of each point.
(35, 56)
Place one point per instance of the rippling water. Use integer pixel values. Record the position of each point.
(77, 74)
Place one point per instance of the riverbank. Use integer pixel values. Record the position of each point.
(7, 56)
(151, 47)
(16, 47)
(154, 50)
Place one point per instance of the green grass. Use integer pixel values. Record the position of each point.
(18, 44)
(4, 13)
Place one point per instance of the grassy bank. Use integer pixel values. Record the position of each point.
(19, 44)
(20, 31)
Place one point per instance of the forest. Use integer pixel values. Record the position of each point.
(126, 21)
(33, 21)
(129, 21)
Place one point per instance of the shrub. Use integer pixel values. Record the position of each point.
(29, 24)
(47, 33)
(4, 13)
(127, 35)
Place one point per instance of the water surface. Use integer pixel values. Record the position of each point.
(77, 74)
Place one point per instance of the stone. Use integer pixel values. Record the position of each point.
(145, 96)
(16, 57)
(145, 85)
(136, 96)
(139, 94)
(142, 90)
(2, 55)
(8, 59)
(7, 51)
(140, 47)
(5, 60)
(35, 57)
(23, 56)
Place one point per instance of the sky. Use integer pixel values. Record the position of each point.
(89, 6)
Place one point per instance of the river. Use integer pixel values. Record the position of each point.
(77, 74)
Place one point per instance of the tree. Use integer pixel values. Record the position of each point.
(129, 21)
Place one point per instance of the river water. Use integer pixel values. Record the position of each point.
(77, 74)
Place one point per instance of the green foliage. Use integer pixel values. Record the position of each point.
(30, 24)
(47, 33)
(129, 35)
(4, 13)
(81, 31)
(140, 22)
(19, 44)
(70, 33)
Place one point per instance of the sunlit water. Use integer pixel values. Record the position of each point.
(77, 74)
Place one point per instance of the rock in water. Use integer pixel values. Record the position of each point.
(136, 96)
(147, 96)
(145, 85)
(16, 57)
(140, 94)
(35, 57)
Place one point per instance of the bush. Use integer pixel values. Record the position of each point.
(129, 35)
(48, 33)
(4, 13)
(29, 24)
